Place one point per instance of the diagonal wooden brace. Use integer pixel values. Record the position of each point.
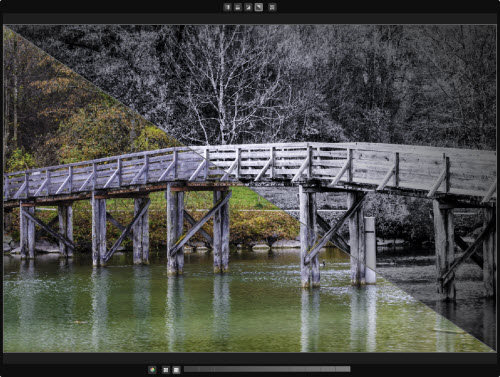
(117, 224)
(200, 223)
(328, 235)
(53, 233)
(470, 250)
(336, 239)
(126, 231)
(203, 232)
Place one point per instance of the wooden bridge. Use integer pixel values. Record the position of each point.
(452, 178)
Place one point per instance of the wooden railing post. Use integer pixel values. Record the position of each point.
(396, 170)
(272, 157)
(27, 189)
(47, 177)
(70, 182)
(94, 181)
(238, 163)
(447, 174)
(349, 167)
(310, 156)
(175, 163)
(206, 163)
(146, 170)
(119, 172)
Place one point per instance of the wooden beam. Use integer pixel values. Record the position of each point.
(341, 172)
(303, 167)
(181, 242)
(230, 170)
(202, 231)
(197, 171)
(167, 170)
(113, 176)
(117, 224)
(263, 171)
(42, 186)
(490, 192)
(21, 189)
(478, 259)
(125, 233)
(388, 176)
(395, 182)
(336, 239)
(444, 176)
(328, 235)
(91, 176)
(138, 175)
(66, 181)
(40, 223)
(470, 250)
(40, 231)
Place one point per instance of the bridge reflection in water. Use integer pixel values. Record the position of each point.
(125, 308)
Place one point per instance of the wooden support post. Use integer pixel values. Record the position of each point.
(145, 236)
(102, 231)
(224, 213)
(357, 241)
(179, 231)
(141, 233)
(98, 230)
(65, 215)
(217, 234)
(444, 244)
(31, 234)
(172, 203)
(137, 233)
(23, 231)
(310, 274)
(371, 250)
(489, 255)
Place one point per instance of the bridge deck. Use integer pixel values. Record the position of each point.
(468, 175)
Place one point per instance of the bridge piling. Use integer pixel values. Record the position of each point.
(224, 213)
(141, 233)
(489, 255)
(217, 235)
(357, 241)
(445, 250)
(310, 275)
(175, 209)
(65, 215)
(98, 230)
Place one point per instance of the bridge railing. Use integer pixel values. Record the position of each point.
(431, 170)
(165, 165)
(428, 170)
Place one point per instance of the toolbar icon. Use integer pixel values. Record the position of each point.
(248, 7)
(259, 7)
(237, 7)
(272, 7)
(165, 369)
(227, 7)
(151, 369)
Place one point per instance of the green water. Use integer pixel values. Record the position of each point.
(53, 306)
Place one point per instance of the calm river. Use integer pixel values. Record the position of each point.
(53, 306)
